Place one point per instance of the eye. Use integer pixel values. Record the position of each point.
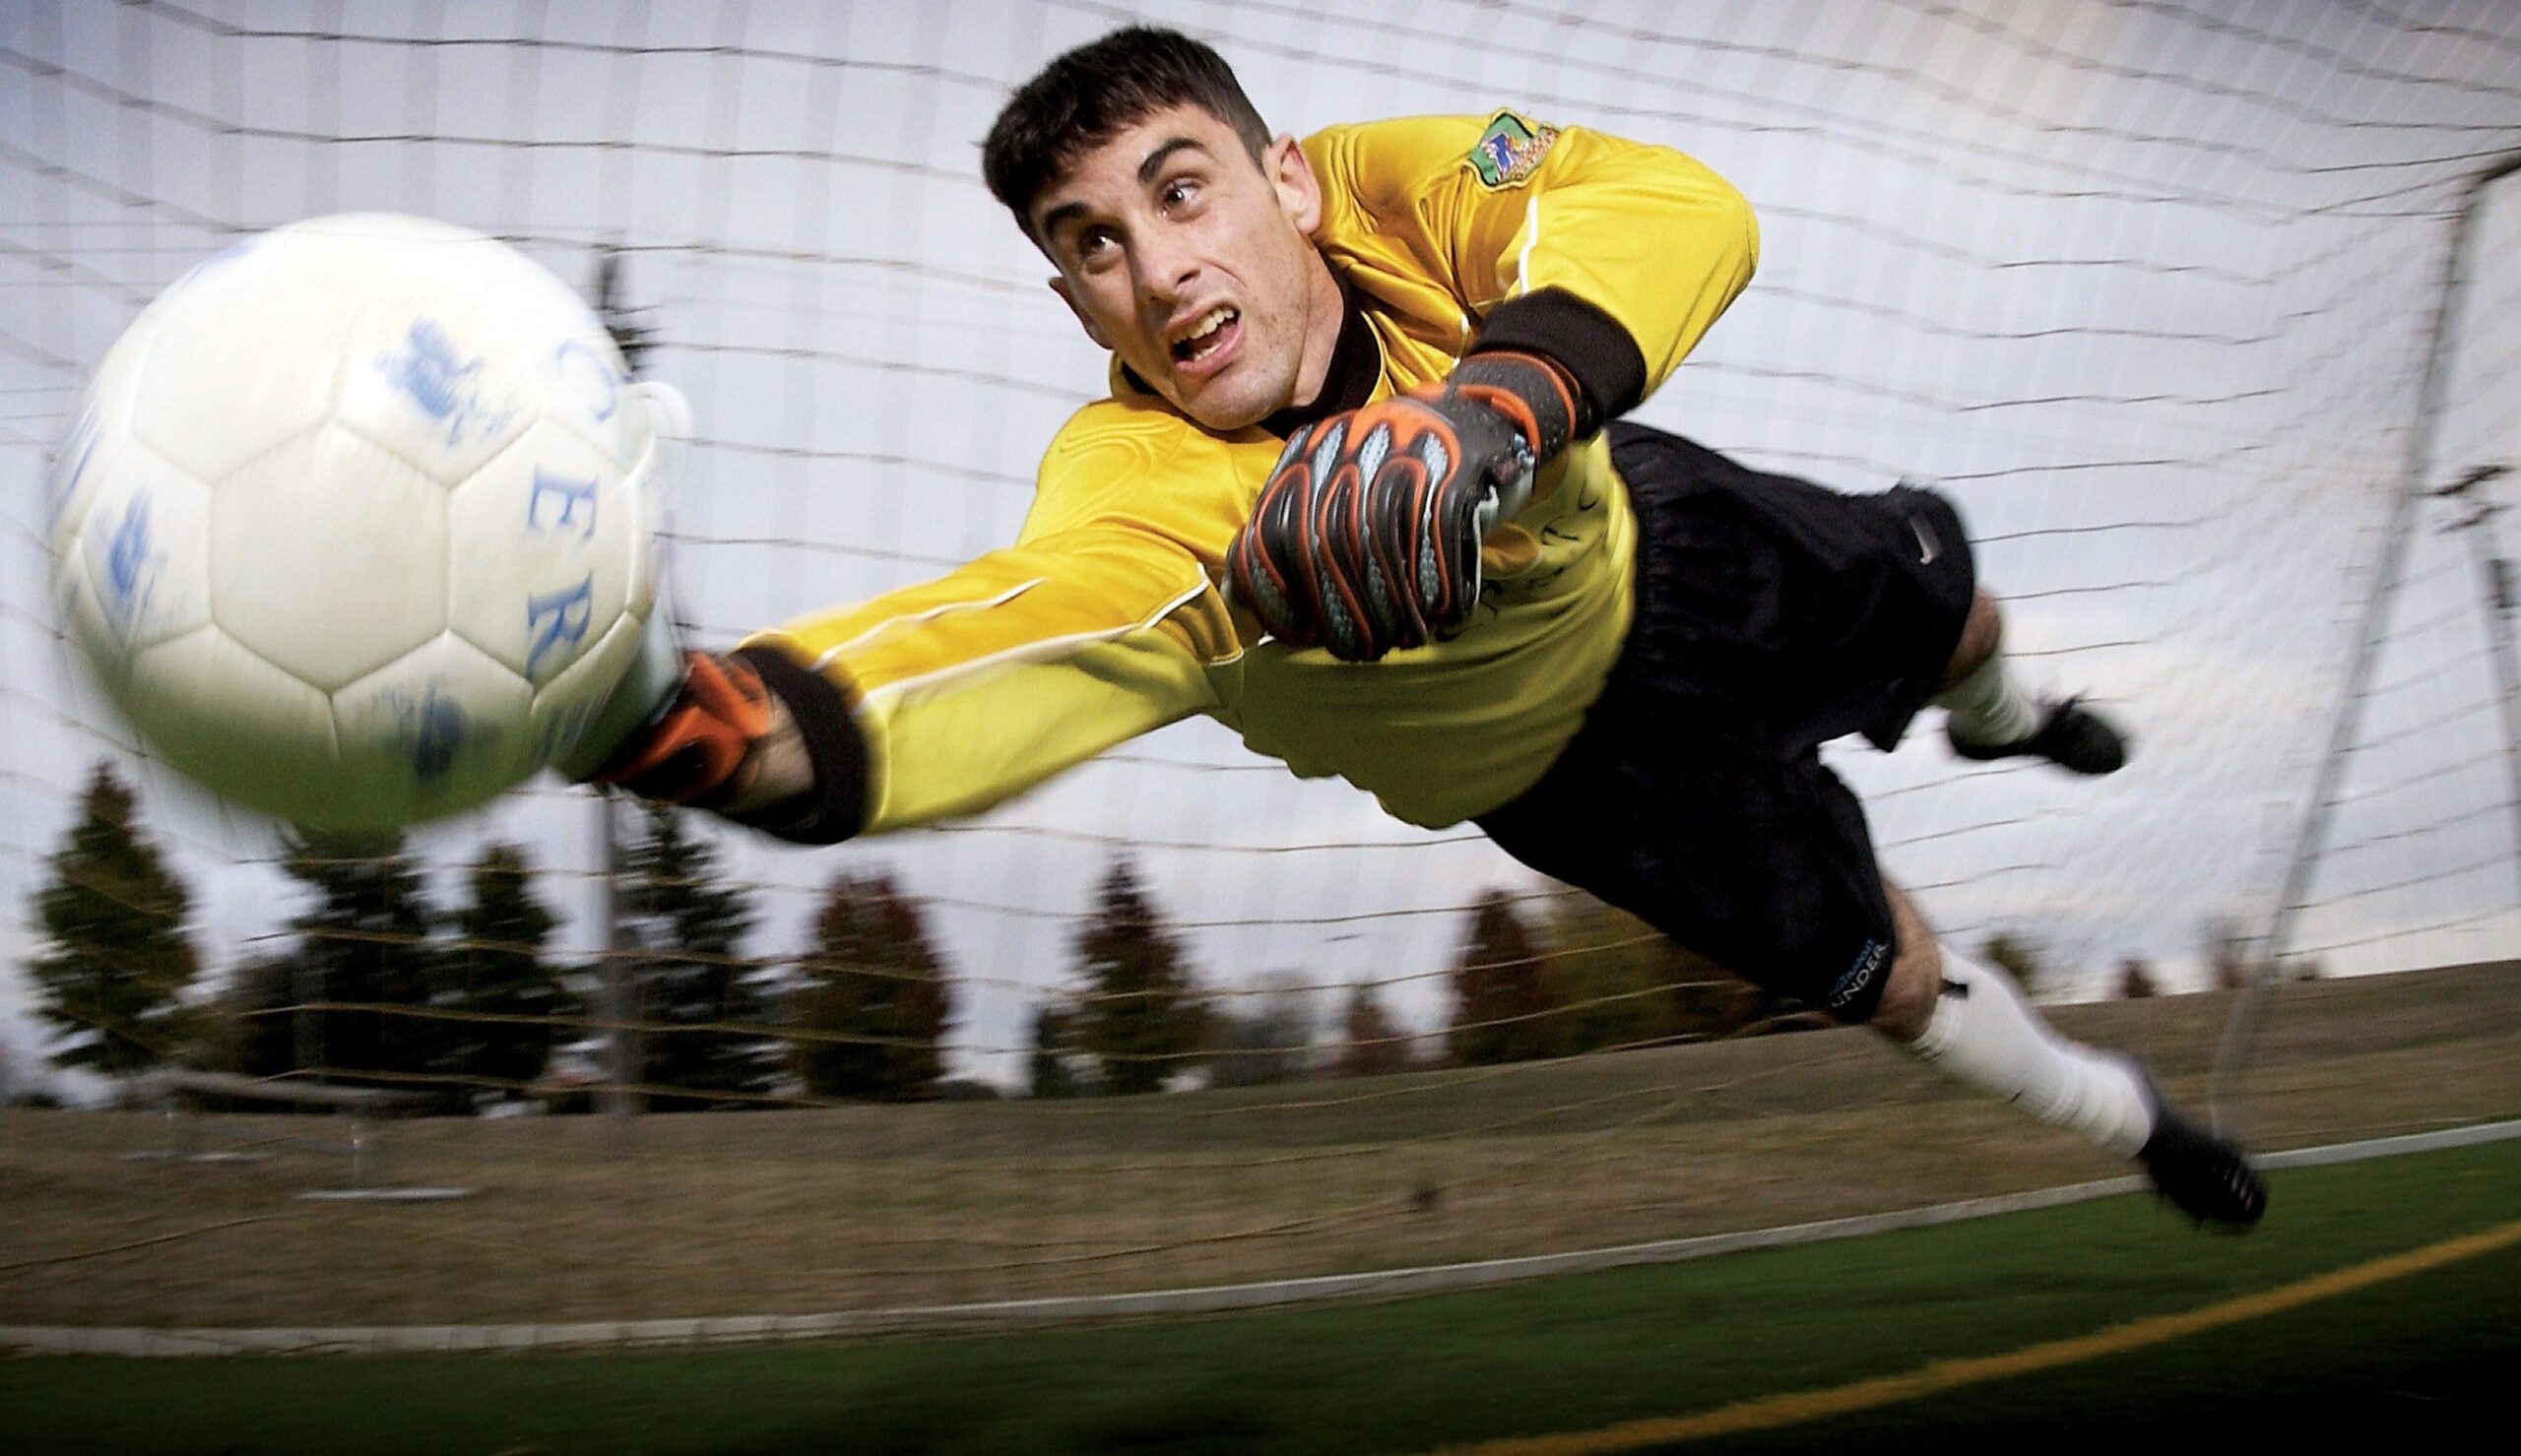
(1093, 244)
(1177, 194)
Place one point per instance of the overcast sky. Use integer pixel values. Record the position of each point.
(2150, 285)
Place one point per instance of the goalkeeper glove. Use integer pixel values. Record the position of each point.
(752, 736)
(1366, 538)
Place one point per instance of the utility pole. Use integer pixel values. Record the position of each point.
(2495, 592)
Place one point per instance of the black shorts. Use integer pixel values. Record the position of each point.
(1771, 617)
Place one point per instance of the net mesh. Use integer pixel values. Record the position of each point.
(2150, 286)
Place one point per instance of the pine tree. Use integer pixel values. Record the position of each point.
(1263, 1036)
(365, 945)
(1137, 1023)
(256, 1036)
(1625, 985)
(1369, 1045)
(1052, 1065)
(1615, 977)
(686, 972)
(116, 961)
(496, 969)
(872, 972)
(2228, 954)
(1503, 990)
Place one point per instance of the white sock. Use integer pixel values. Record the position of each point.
(1988, 706)
(1983, 1034)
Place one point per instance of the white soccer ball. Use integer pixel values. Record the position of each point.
(357, 522)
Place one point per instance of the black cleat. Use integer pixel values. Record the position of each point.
(2202, 1175)
(2070, 735)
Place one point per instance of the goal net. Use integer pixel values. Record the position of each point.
(2151, 288)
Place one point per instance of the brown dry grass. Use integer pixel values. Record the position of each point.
(804, 1210)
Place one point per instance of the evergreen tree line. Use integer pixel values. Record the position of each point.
(1579, 977)
(466, 1005)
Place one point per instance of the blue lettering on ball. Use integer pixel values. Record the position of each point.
(570, 493)
(434, 732)
(556, 619)
(431, 374)
(604, 380)
(447, 387)
(130, 563)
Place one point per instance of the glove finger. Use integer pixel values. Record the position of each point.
(1372, 559)
(1297, 526)
(1336, 539)
(1282, 527)
(1266, 557)
(1447, 562)
(1293, 528)
(1255, 584)
(1296, 444)
(1396, 507)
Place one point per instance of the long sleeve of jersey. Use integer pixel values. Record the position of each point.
(1097, 626)
(1519, 220)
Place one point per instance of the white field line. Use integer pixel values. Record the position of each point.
(1016, 1313)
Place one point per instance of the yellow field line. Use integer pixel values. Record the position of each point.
(1795, 1407)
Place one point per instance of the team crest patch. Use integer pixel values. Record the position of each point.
(1509, 149)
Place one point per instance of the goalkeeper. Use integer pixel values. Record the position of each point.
(1361, 493)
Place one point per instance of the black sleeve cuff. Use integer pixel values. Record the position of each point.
(836, 807)
(1595, 349)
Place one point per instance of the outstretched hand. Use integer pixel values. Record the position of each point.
(1366, 538)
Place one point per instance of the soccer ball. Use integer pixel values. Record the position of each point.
(357, 522)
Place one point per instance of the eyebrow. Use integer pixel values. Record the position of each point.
(1155, 159)
(1147, 169)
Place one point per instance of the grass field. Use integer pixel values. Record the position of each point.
(808, 1211)
(2414, 1358)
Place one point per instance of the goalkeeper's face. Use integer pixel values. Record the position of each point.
(1194, 265)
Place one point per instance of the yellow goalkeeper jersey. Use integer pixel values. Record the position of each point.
(1103, 620)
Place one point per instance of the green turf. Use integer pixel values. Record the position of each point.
(1561, 1355)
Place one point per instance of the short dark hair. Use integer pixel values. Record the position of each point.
(1092, 93)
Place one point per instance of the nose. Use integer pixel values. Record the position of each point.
(1167, 267)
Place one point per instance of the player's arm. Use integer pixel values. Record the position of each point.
(1609, 258)
(946, 698)
(1586, 266)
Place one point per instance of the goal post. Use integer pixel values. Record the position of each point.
(2453, 325)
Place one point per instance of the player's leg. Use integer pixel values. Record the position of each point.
(1971, 1023)
(1765, 867)
(1989, 713)
(1773, 616)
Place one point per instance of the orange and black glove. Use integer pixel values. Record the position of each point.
(1366, 538)
(756, 737)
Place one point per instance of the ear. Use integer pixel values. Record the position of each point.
(1298, 191)
(1058, 285)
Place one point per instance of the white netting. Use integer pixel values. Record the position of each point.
(2149, 284)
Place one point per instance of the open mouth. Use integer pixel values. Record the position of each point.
(1207, 335)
